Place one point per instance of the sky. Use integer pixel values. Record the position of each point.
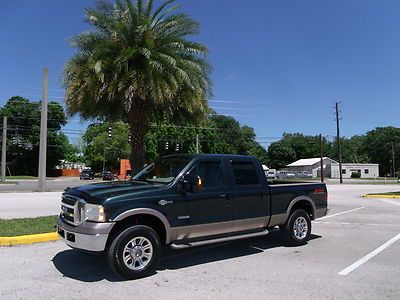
(278, 66)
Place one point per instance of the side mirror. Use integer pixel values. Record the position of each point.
(194, 184)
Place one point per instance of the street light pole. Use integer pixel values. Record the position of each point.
(3, 151)
(43, 133)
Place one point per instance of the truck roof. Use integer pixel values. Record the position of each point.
(211, 155)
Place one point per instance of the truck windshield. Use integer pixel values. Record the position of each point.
(163, 170)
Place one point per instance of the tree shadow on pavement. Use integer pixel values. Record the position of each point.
(89, 268)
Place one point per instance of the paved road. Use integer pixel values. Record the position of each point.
(257, 268)
(52, 184)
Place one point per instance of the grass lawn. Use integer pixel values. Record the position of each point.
(21, 177)
(387, 194)
(8, 182)
(15, 227)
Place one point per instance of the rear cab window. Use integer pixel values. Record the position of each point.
(245, 173)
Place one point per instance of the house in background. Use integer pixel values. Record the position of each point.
(331, 168)
(312, 166)
(365, 170)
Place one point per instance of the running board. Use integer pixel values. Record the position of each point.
(219, 240)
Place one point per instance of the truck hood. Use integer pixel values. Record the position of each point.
(98, 193)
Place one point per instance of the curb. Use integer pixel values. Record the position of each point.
(381, 196)
(28, 239)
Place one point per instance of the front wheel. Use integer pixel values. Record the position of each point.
(134, 252)
(297, 229)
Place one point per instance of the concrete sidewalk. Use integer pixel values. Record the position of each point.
(24, 205)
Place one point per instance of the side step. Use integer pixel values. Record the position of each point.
(219, 240)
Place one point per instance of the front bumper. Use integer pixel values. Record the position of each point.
(86, 236)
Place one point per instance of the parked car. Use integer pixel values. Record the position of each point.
(270, 174)
(183, 201)
(285, 175)
(107, 175)
(304, 174)
(86, 174)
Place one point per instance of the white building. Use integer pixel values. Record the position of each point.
(365, 170)
(312, 166)
(331, 168)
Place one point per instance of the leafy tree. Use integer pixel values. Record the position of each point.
(280, 154)
(352, 150)
(24, 135)
(377, 146)
(99, 147)
(165, 138)
(138, 66)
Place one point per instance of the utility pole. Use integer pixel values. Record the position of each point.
(322, 157)
(393, 162)
(43, 133)
(3, 151)
(197, 143)
(104, 158)
(339, 149)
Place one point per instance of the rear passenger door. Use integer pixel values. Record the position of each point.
(249, 195)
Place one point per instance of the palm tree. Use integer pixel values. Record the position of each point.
(138, 66)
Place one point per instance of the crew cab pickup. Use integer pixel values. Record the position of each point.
(183, 201)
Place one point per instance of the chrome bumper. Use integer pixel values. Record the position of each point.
(87, 236)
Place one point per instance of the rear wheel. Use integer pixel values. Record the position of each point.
(297, 229)
(134, 252)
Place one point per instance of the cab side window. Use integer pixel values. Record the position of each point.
(245, 173)
(211, 174)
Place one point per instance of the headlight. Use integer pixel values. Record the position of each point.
(94, 213)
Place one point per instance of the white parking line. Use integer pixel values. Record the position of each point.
(341, 213)
(369, 256)
(352, 223)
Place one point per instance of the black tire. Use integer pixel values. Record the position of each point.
(131, 269)
(300, 235)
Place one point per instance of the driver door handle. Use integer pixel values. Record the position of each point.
(165, 202)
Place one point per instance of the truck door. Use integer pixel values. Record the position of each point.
(250, 197)
(210, 211)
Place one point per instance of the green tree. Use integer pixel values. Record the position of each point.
(352, 150)
(24, 135)
(99, 147)
(377, 146)
(280, 154)
(138, 66)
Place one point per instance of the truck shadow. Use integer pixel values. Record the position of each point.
(88, 268)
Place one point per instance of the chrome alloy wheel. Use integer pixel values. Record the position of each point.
(300, 228)
(138, 253)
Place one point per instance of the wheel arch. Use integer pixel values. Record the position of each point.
(301, 202)
(145, 216)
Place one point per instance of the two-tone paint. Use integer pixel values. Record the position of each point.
(228, 210)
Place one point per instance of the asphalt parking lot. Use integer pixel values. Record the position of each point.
(354, 253)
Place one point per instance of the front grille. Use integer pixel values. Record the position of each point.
(72, 209)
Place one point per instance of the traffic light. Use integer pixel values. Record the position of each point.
(177, 147)
(110, 132)
(166, 145)
(129, 138)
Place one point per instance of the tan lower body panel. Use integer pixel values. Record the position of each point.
(277, 220)
(194, 231)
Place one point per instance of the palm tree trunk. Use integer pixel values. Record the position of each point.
(138, 119)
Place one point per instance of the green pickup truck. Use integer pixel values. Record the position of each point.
(183, 201)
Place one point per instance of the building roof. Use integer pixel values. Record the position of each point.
(308, 162)
(356, 164)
